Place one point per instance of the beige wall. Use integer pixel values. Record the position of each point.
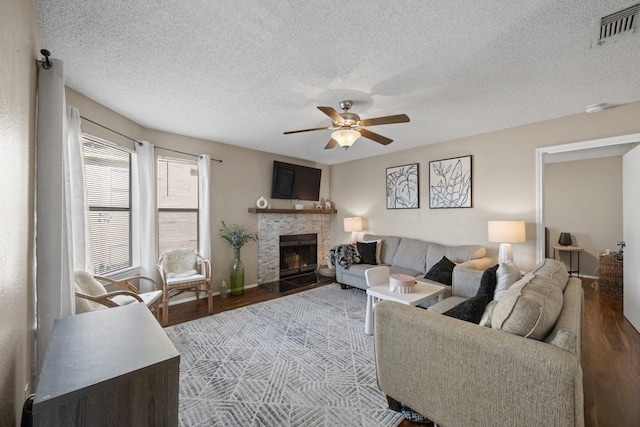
(19, 47)
(503, 181)
(236, 184)
(584, 198)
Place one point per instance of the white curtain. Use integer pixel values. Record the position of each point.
(60, 205)
(204, 205)
(148, 243)
(77, 205)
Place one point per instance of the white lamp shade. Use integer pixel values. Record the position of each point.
(345, 137)
(506, 231)
(353, 224)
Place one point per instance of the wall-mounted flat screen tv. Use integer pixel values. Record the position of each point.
(295, 182)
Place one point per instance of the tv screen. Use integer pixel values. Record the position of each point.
(295, 182)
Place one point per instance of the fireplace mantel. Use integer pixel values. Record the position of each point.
(292, 211)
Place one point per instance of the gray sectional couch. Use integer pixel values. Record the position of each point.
(521, 368)
(415, 257)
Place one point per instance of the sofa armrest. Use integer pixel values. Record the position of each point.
(459, 373)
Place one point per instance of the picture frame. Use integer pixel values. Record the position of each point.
(450, 183)
(403, 187)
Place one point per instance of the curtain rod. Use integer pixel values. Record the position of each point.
(135, 140)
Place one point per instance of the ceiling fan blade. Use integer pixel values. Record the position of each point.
(398, 118)
(329, 111)
(375, 137)
(332, 143)
(304, 130)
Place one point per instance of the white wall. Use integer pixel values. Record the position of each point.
(19, 47)
(503, 181)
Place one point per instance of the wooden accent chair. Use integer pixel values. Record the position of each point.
(182, 270)
(92, 295)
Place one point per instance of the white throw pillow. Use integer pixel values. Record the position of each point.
(507, 275)
(378, 248)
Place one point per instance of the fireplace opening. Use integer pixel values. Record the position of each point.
(298, 254)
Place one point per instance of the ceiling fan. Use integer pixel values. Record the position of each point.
(349, 127)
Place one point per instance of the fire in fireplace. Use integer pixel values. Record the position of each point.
(298, 254)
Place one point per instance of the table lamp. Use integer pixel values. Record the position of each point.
(505, 233)
(353, 224)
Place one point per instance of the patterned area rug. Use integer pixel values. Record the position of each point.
(299, 360)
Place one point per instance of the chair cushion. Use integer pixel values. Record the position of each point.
(178, 261)
(148, 298)
(184, 279)
(85, 283)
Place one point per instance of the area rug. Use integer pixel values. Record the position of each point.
(299, 360)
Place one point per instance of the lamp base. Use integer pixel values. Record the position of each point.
(505, 254)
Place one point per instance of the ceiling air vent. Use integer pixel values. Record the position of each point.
(616, 25)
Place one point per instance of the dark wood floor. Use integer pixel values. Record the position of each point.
(610, 354)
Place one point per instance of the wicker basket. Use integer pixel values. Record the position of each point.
(611, 275)
(326, 271)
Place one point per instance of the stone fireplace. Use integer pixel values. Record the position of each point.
(275, 223)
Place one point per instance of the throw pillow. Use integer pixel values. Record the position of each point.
(488, 282)
(367, 252)
(469, 310)
(378, 248)
(441, 272)
(506, 275)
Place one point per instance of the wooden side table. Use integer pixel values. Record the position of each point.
(571, 250)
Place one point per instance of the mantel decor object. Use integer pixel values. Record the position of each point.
(565, 239)
(236, 236)
(262, 203)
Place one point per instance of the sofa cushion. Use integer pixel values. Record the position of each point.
(529, 308)
(411, 254)
(394, 269)
(554, 270)
(506, 275)
(488, 282)
(388, 249)
(367, 252)
(441, 272)
(469, 310)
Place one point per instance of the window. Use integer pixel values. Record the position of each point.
(177, 204)
(108, 182)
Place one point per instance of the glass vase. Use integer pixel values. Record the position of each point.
(237, 276)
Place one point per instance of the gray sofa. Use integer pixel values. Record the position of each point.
(415, 257)
(522, 370)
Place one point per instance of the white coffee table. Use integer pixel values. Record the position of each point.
(423, 292)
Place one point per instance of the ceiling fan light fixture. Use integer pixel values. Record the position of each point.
(345, 137)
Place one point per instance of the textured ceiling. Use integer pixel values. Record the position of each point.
(242, 72)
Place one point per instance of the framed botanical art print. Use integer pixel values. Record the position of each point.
(450, 183)
(403, 190)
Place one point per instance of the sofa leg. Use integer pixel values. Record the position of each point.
(394, 405)
(344, 286)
